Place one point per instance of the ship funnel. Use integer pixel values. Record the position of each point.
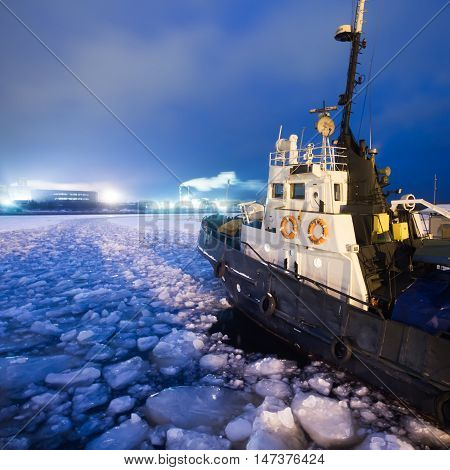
(344, 33)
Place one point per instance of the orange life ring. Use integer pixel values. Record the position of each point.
(284, 229)
(313, 224)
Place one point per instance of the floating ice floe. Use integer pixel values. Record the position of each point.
(16, 443)
(239, 429)
(85, 335)
(124, 373)
(99, 353)
(177, 350)
(213, 362)
(55, 425)
(146, 343)
(120, 405)
(327, 421)
(320, 384)
(89, 397)
(94, 424)
(75, 378)
(273, 388)
(190, 407)
(423, 433)
(45, 328)
(128, 435)
(182, 439)
(21, 371)
(382, 441)
(267, 367)
(274, 428)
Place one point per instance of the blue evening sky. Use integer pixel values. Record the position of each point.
(206, 84)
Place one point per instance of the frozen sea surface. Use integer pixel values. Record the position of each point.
(109, 338)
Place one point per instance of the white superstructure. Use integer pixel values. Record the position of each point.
(303, 228)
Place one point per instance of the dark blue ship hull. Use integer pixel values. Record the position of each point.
(410, 363)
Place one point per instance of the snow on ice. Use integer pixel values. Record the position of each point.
(105, 344)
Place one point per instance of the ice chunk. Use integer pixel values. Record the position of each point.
(368, 416)
(381, 441)
(96, 423)
(266, 366)
(129, 435)
(273, 388)
(46, 400)
(55, 425)
(213, 362)
(423, 433)
(19, 372)
(238, 429)
(274, 428)
(327, 421)
(89, 397)
(75, 378)
(124, 373)
(45, 328)
(181, 439)
(99, 352)
(178, 349)
(84, 335)
(320, 385)
(16, 443)
(120, 405)
(189, 406)
(69, 336)
(362, 391)
(161, 329)
(147, 342)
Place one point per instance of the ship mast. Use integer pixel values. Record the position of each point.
(353, 34)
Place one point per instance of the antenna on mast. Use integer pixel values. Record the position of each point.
(348, 33)
(435, 189)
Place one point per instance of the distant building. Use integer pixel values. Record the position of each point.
(63, 199)
(58, 195)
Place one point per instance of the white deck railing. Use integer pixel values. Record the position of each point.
(330, 158)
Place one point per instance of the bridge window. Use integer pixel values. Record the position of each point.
(298, 191)
(337, 192)
(277, 190)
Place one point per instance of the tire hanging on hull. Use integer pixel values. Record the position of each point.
(267, 304)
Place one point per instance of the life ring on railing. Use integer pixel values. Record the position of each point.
(312, 226)
(284, 227)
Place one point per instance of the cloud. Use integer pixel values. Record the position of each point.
(196, 63)
(220, 181)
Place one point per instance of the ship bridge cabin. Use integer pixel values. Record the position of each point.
(302, 228)
(312, 179)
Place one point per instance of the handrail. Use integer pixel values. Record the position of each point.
(324, 155)
(433, 207)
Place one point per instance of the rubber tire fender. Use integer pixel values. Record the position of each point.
(267, 304)
(443, 409)
(341, 350)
